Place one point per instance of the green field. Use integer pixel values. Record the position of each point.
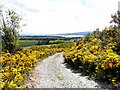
(28, 42)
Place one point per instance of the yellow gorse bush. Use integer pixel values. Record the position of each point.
(15, 66)
(96, 56)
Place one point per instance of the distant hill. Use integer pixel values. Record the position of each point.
(62, 35)
(76, 33)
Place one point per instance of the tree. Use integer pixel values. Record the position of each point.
(10, 23)
(116, 28)
(116, 19)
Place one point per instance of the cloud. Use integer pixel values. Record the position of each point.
(62, 16)
(85, 4)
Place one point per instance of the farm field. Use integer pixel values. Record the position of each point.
(28, 42)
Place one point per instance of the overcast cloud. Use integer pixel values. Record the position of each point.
(63, 16)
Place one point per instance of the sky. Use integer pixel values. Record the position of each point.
(62, 16)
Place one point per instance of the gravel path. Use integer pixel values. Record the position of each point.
(52, 73)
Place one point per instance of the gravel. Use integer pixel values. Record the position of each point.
(52, 73)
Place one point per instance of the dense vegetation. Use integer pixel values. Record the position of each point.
(98, 54)
(15, 67)
(10, 23)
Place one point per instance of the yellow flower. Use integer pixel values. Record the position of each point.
(5, 75)
(109, 29)
(73, 60)
(94, 40)
(18, 78)
(111, 38)
(2, 85)
(113, 80)
(14, 70)
(12, 85)
(90, 61)
(110, 65)
(97, 67)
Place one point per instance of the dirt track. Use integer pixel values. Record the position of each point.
(52, 73)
